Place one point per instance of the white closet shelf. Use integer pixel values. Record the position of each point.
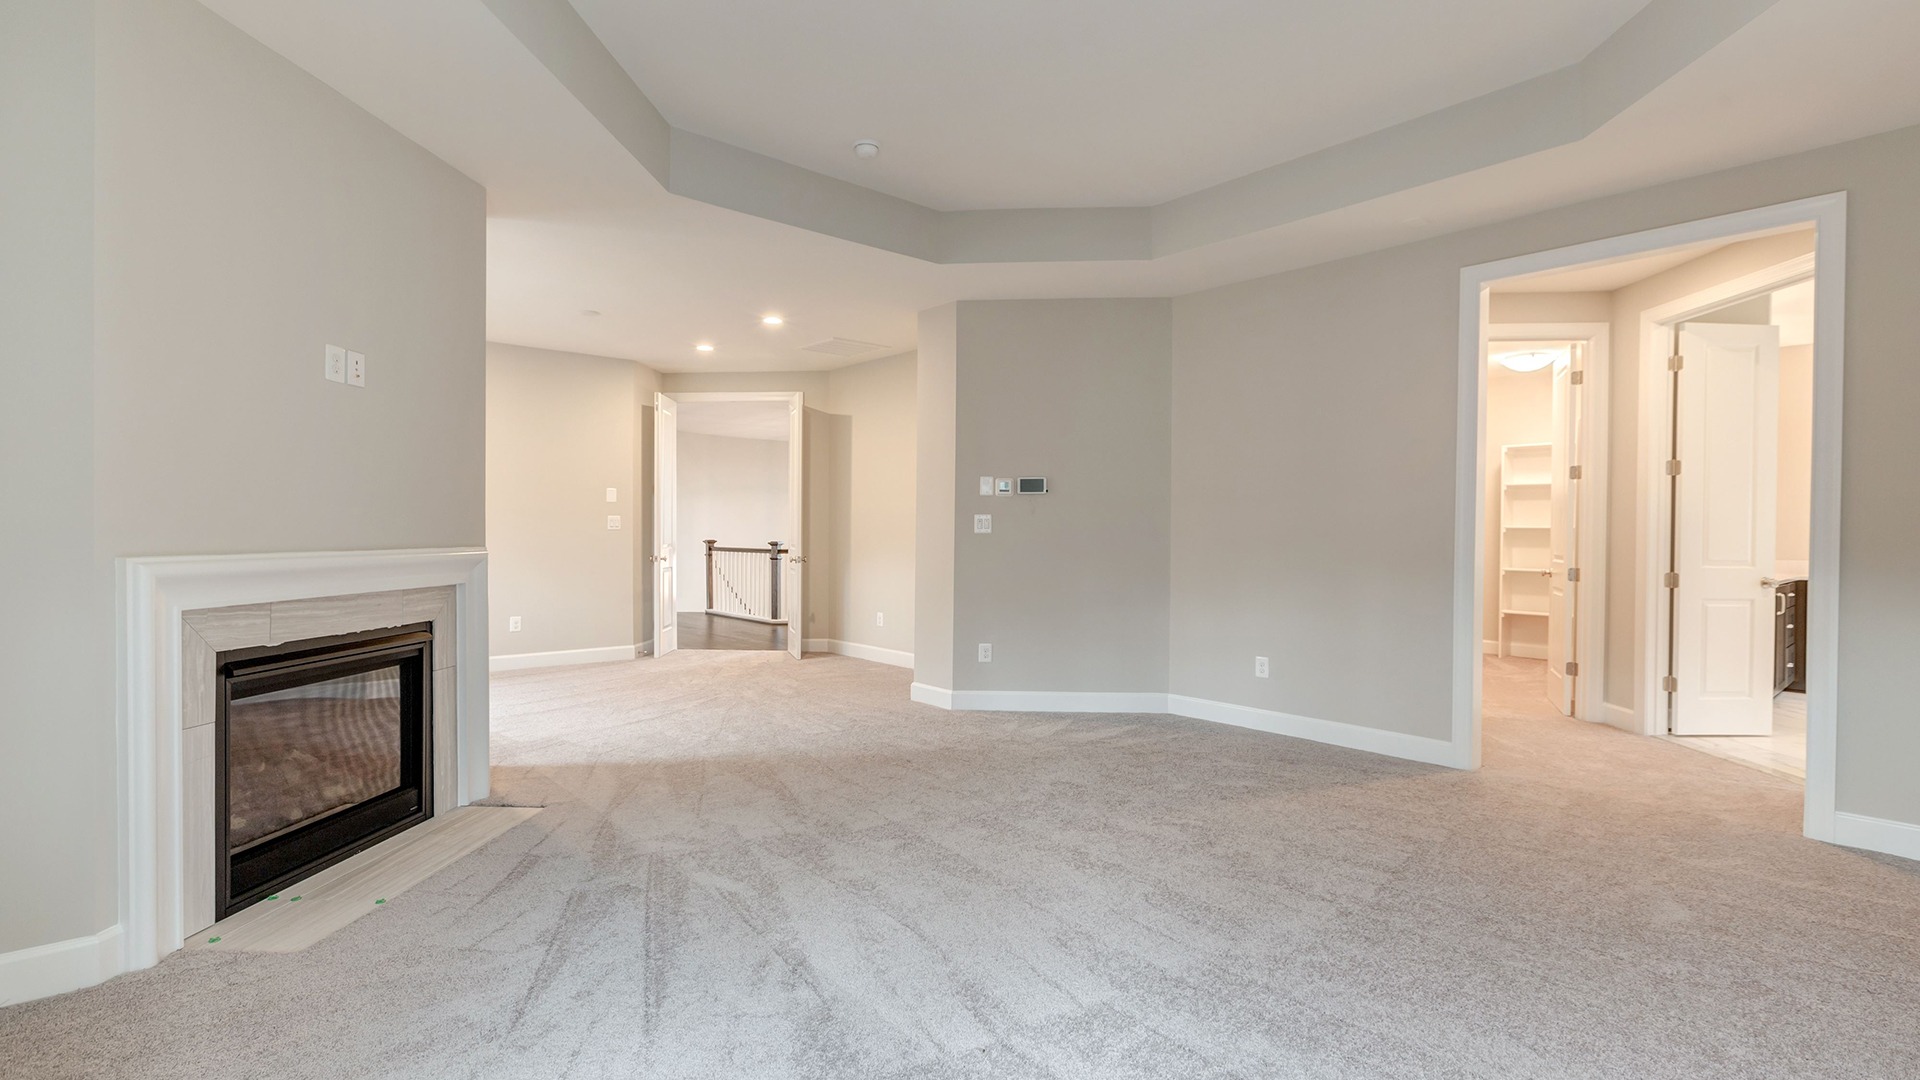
(1517, 611)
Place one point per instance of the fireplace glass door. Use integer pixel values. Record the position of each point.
(324, 748)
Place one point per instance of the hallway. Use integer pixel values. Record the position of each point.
(698, 630)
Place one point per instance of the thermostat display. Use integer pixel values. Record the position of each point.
(1033, 485)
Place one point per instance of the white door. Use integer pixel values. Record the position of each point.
(792, 599)
(1726, 433)
(666, 603)
(1562, 536)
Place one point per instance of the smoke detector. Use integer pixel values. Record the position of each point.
(865, 149)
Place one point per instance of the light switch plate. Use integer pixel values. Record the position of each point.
(356, 368)
(613, 494)
(983, 523)
(613, 522)
(986, 485)
(336, 364)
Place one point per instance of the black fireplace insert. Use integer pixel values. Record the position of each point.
(324, 747)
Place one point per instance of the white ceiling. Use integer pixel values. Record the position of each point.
(1011, 103)
(575, 222)
(766, 420)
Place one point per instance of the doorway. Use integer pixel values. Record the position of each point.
(727, 549)
(1623, 677)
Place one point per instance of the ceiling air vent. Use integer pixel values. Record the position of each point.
(840, 346)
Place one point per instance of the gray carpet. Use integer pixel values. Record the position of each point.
(753, 867)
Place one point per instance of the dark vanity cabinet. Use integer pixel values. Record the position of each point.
(1789, 631)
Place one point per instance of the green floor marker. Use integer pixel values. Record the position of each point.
(275, 896)
(292, 899)
(379, 901)
(212, 940)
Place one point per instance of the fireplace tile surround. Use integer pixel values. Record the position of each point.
(205, 632)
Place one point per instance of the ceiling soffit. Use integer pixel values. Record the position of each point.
(1548, 111)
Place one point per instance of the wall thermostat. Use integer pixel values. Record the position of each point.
(1033, 485)
(1003, 486)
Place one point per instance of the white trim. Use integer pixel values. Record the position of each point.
(1332, 732)
(936, 696)
(561, 658)
(1619, 716)
(1590, 554)
(1828, 214)
(890, 657)
(1877, 834)
(46, 970)
(1490, 647)
(153, 594)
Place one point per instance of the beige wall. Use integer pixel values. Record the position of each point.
(1070, 588)
(1795, 530)
(1519, 410)
(1335, 450)
(873, 503)
(730, 490)
(242, 216)
(560, 431)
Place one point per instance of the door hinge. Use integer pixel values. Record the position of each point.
(1576, 378)
(1573, 668)
(1670, 684)
(1673, 581)
(1676, 362)
(1673, 466)
(1573, 573)
(1573, 472)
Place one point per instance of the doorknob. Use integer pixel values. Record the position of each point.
(1769, 583)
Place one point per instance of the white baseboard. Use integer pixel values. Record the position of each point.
(1490, 646)
(561, 658)
(74, 964)
(890, 657)
(1877, 834)
(1527, 652)
(938, 697)
(1087, 701)
(1352, 736)
(1619, 716)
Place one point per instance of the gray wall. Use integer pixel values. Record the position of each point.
(936, 506)
(1314, 417)
(560, 431)
(873, 502)
(56, 730)
(242, 216)
(1071, 587)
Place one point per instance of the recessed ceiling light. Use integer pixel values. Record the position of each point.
(866, 148)
(704, 348)
(772, 320)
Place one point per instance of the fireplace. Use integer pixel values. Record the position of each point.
(323, 747)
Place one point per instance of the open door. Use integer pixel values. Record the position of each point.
(1726, 440)
(792, 598)
(666, 454)
(1563, 586)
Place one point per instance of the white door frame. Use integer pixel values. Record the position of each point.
(1656, 514)
(796, 467)
(1590, 548)
(1828, 214)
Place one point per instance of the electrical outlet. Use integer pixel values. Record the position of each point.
(983, 523)
(1260, 667)
(879, 618)
(986, 653)
(613, 522)
(356, 368)
(513, 624)
(336, 364)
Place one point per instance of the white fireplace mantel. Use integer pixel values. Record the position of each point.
(154, 593)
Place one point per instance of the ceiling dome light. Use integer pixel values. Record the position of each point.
(1530, 360)
(866, 149)
(704, 347)
(772, 320)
